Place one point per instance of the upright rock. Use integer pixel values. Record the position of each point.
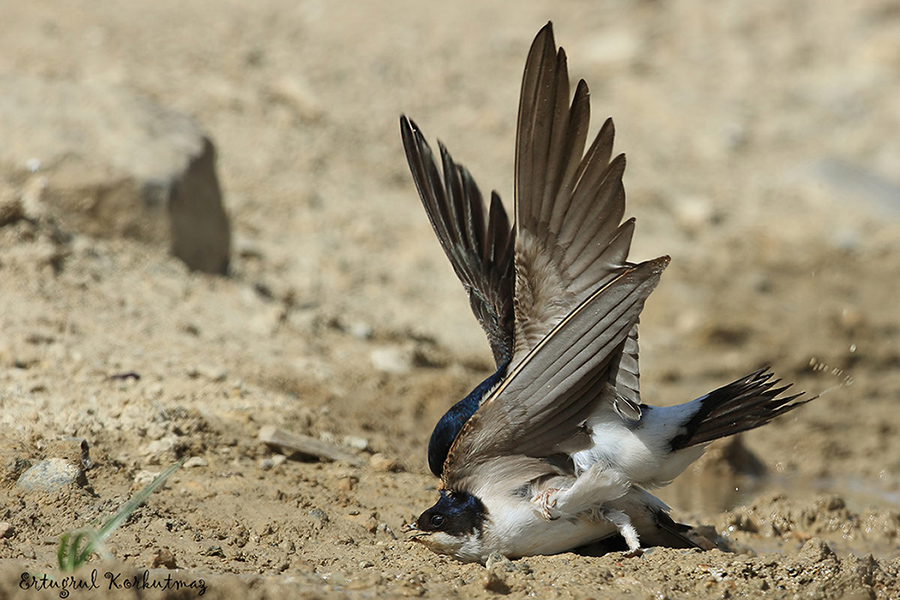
(113, 163)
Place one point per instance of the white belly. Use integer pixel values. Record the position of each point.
(641, 454)
(518, 529)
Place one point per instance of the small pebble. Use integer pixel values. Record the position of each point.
(815, 550)
(337, 579)
(318, 515)
(382, 463)
(361, 331)
(7, 530)
(213, 551)
(356, 442)
(497, 560)
(159, 450)
(693, 213)
(386, 530)
(195, 461)
(493, 581)
(163, 558)
(392, 360)
(272, 462)
(348, 484)
(143, 478)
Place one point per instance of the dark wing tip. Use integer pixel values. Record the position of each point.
(544, 39)
(407, 124)
(412, 137)
(582, 93)
(659, 264)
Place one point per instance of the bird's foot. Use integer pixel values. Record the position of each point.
(626, 529)
(546, 502)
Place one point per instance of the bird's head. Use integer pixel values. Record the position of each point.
(454, 526)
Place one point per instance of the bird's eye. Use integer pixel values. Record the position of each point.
(437, 521)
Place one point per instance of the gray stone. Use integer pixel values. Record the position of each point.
(816, 550)
(318, 516)
(51, 475)
(107, 162)
(499, 562)
(159, 451)
(7, 530)
(391, 359)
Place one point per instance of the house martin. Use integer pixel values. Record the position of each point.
(555, 449)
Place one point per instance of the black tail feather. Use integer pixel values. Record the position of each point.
(739, 406)
(669, 533)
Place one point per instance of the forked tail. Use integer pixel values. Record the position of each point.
(739, 406)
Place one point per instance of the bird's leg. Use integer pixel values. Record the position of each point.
(596, 485)
(626, 529)
(546, 502)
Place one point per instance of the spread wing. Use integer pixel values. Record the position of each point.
(478, 240)
(540, 409)
(570, 240)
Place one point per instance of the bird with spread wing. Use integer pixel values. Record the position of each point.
(556, 449)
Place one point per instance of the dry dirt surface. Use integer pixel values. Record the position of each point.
(763, 156)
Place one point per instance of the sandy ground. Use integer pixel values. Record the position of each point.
(763, 157)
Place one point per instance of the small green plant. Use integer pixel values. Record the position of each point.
(72, 554)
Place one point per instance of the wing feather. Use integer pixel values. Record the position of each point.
(559, 379)
(624, 375)
(569, 204)
(477, 239)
